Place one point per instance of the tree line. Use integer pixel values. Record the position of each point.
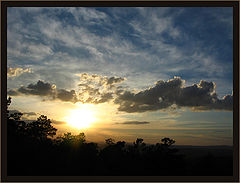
(33, 149)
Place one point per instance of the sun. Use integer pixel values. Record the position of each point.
(81, 118)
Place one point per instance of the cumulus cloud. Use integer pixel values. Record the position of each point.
(40, 88)
(45, 89)
(97, 89)
(113, 80)
(105, 97)
(164, 94)
(93, 88)
(65, 95)
(99, 80)
(14, 72)
(134, 123)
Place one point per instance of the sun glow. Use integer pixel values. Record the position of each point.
(81, 118)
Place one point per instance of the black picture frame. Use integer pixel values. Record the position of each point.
(233, 4)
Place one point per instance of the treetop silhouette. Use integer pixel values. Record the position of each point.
(32, 148)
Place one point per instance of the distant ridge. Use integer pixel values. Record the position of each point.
(208, 147)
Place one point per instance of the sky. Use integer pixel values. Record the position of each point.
(125, 72)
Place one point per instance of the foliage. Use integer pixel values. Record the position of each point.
(33, 150)
(41, 128)
(69, 139)
(167, 141)
(109, 141)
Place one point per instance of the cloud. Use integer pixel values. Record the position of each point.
(13, 111)
(40, 88)
(164, 94)
(27, 114)
(87, 14)
(97, 89)
(58, 122)
(113, 80)
(30, 113)
(93, 88)
(65, 95)
(45, 90)
(95, 40)
(14, 72)
(104, 98)
(134, 123)
(226, 103)
(98, 79)
(13, 93)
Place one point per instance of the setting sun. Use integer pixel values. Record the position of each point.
(81, 118)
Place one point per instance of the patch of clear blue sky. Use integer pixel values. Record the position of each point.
(205, 26)
(202, 30)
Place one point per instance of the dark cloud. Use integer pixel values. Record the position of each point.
(30, 113)
(114, 80)
(24, 113)
(13, 111)
(134, 123)
(12, 93)
(40, 88)
(85, 88)
(26, 120)
(65, 95)
(45, 90)
(58, 122)
(200, 96)
(163, 95)
(104, 98)
(226, 103)
(101, 98)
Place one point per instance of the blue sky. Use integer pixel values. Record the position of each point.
(137, 47)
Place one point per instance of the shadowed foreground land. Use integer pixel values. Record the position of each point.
(31, 151)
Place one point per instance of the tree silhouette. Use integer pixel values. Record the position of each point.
(109, 141)
(15, 125)
(71, 140)
(15, 116)
(167, 141)
(138, 142)
(9, 100)
(32, 148)
(41, 129)
(138, 147)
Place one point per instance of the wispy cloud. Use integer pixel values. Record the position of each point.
(147, 41)
(134, 123)
(29, 113)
